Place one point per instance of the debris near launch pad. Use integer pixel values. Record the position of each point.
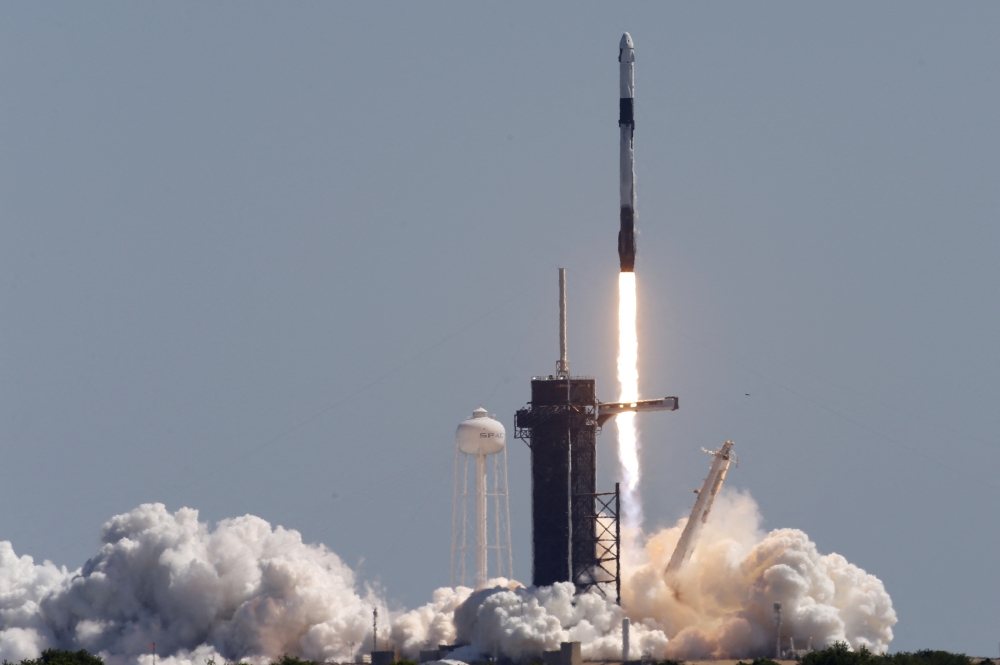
(703, 506)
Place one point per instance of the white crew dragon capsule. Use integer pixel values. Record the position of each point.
(626, 128)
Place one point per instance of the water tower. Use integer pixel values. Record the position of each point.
(480, 442)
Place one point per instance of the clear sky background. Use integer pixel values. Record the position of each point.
(263, 258)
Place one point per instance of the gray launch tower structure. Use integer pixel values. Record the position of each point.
(560, 426)
(575, 529)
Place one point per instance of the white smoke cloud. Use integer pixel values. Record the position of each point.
(720, 604)
(247, 590)
(23, 585)
(243, 589)
(522, 622)
(431, 625)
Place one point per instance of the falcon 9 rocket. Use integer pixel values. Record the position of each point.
(626, 126)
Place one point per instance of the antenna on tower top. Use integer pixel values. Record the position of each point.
(562, 367)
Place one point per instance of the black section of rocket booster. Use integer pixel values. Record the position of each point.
(626, 240)
(625, 114)
(626, 234)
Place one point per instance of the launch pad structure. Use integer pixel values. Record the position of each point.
(576, 531)
(560, 427)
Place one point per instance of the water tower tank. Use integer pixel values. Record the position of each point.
(480, 435)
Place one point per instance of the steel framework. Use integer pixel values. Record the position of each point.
(606, 543)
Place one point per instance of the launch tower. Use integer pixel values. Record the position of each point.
(560, 427)
(574, 528)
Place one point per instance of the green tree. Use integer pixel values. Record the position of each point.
(759, 660)
(293, 660)
(61, 657)
(840, 654)
(926, 657)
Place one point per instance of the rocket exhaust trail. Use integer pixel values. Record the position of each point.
(628, 342)
(628, 379)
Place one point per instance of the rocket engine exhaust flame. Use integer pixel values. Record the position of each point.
(628, 379)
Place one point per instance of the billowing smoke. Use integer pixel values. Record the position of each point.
(522, 623)
(433, 624)
(720, 604)
(247, 590)
(243, 589)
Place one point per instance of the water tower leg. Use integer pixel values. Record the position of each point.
(506, 518)
(481, 515)
(454, 522)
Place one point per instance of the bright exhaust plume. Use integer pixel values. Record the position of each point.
(628, 379)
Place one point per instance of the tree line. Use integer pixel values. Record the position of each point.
(838, 654)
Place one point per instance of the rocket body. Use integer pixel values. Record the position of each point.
(626, 127)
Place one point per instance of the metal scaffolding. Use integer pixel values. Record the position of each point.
(607, 544)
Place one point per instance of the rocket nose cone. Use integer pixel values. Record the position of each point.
(626, 41)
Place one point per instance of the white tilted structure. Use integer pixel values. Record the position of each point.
(476, 440)
(706, 497)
